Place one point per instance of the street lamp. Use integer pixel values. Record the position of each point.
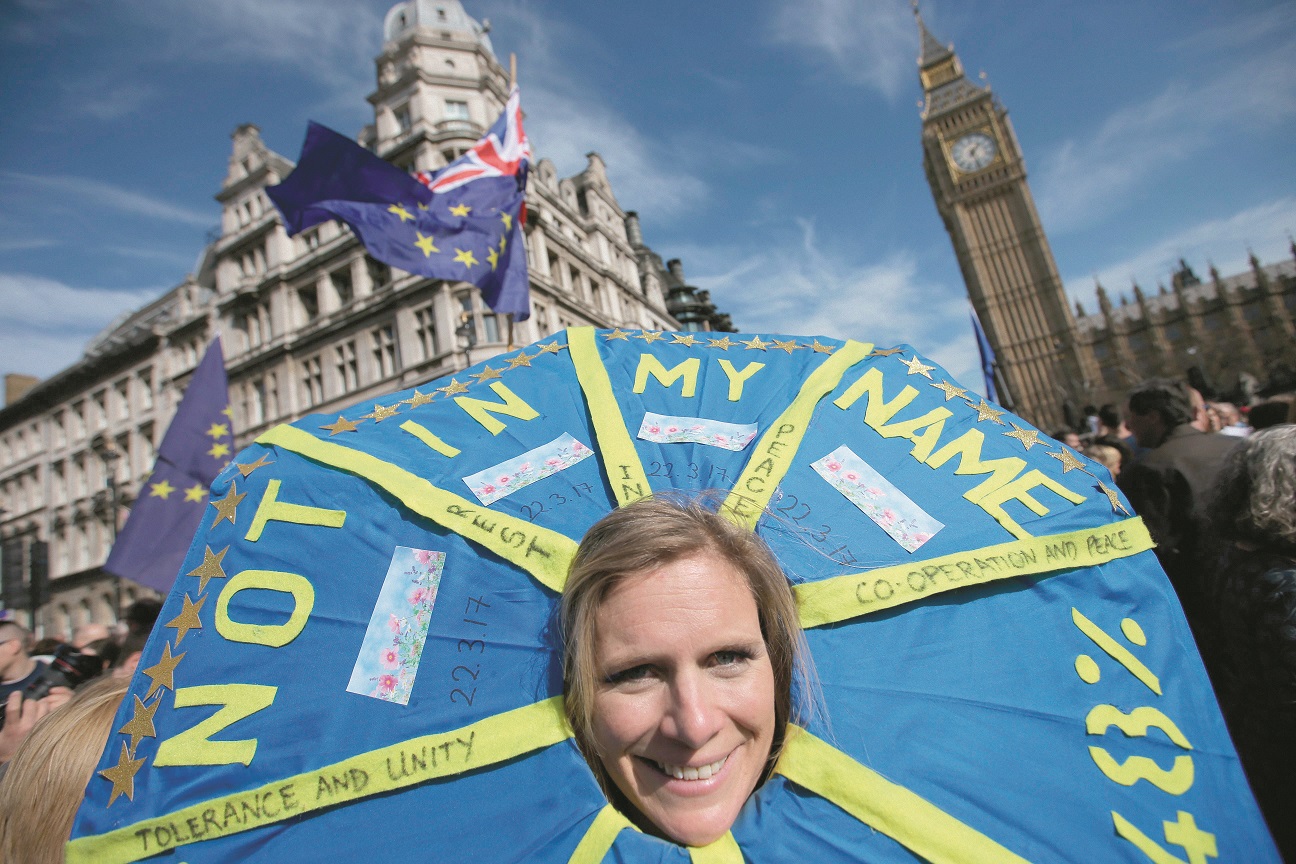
(106, 449)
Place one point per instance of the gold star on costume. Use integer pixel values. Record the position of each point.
(949, 390)
(340, 425)
(460, 210)
(986, 411)
(382, 412)
(122, 776)
(683, 339)
(522, 359)
(195, 493)
(218, 430)
(507, 220)
(247, 469)
(487, 374)
(418, 399)
(227, 507)
(188, 618)
(650, 336)
(210, 568)
(452, 388)
(465, 257)
(917, 367)
(1068, 459)
(755, 343)
(618, 333)
(141, 725)
(788, 346)
(1028, 437)
(163, 674)
(820, 348)
(218, 450)
(492, 258)
(400, 211)
(425, 244)
(885, 352)
(161, 490)
(1117, 506)
(723, 343)
(551, 348)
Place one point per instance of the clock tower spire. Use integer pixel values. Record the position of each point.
(978, 180)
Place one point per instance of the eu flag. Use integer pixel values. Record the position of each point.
(988, 362)
(198, 444)
(463, 223)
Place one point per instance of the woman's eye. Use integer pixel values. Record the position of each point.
(634, 673)
(730, 658)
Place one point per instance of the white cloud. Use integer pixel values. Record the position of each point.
(867, 42)
(1086, 178)
(93, 98)
(1224, 242)
(19, 245)
(108, 195)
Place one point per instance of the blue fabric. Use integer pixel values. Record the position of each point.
(987, 358)
(971, 698)
(197, 445)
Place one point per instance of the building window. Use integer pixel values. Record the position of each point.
(403, 121)
(475, 325)
(100, 409)
(58, 429)
(272, 396)
(122, 394)
(341, 279)
(348, 369)
(308, 299)
(384, 350)
(425, 329)
(456, 110)
(145, 455)
(256, 402)
(311, 240)
(312, 381)
(379, 273)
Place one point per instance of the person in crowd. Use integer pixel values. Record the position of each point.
(680, 643)
(90, 632)
(141, 616)
(1272, 412)
(45, 781)
(18, 671)
(1227, 420)
(1249, 644)
(1070, 438)
(1169, 484)
(1107, 456)
(1201, 419)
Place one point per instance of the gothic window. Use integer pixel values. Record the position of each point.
(309, 301)
(312, 381)
(425, 329)
(379, 273)
(384, 349)
(341, 279)
(348, 370)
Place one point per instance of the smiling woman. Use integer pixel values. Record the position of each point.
(681, 638)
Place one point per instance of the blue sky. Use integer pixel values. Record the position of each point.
(773, 145)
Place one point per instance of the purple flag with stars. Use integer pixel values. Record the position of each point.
(196, 447)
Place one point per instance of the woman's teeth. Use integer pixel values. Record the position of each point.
(683, 772)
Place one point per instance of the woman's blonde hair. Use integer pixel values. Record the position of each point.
(47, 777)
(648, 534)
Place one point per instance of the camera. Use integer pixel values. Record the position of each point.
(67, 668)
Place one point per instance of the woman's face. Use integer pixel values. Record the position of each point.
(684, 708)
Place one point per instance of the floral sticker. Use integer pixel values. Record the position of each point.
(513, 474)
(906, 522)
(696, 430)
(393, 644)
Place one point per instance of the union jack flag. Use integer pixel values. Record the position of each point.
(502, 152)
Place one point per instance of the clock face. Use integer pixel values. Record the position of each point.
(973, 152)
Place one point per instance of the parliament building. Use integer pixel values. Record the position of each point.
(309, 324)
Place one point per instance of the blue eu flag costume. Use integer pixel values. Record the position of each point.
(197, 445)
(359, 655)
(463, 223)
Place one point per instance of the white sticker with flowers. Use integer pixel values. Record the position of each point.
(664, 429)
(906, 522)
(519, 472)
(393, 643)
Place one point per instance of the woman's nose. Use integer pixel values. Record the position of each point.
(695, 715)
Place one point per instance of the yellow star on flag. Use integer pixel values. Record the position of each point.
(522, 359)
(218, 430)
(789, 346)
(161, 490)
(507, 220)
(418, 399)
(141, 724)
(122, 775)
(227, 507)
(1028, 437)
(487, 374)
(461, 210)
(188, 618)
(820, 348)
(341, 424)
(466, 257)
(683, 339)
(723, 343)
(219, 450)
(551, 348)
(917, 367)
(949, 389)
(986, 411)
(422, 206)
(650, 336)
(1068, 459)
(382, 412)
(228, 412)
(163, 674)
(195, 493)
(405, 215)
(503, 242)
(1116, 505)
(210, 568)
(755, 343)
(492, 257)
(426, 244)
(246, 469)
(452, 388)
(618, 333)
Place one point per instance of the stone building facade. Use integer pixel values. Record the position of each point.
(310, 323)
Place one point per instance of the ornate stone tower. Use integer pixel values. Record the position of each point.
(978, 178)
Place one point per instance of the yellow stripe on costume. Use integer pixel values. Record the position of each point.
(773, 454)
(600, 836)
(543, 553)
(478, 745)
(722, 851)
(915, 823)
(844, 597)
(621, 462)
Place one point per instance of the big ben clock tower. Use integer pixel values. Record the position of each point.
(978, 178)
